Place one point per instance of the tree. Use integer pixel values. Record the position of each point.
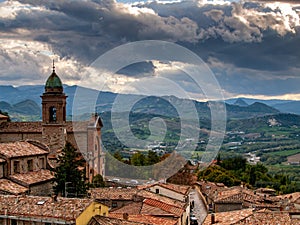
(118, 156)
(252, 175)
(98, 181)
(138, 159)
(68, 178)
(152, 158)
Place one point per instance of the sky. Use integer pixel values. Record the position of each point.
(252, 48)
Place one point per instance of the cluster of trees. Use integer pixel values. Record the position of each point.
(236, 170)
(140, 159)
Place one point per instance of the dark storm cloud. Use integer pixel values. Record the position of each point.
(100, 24)
(248, 37)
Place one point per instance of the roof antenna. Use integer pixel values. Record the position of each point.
(53, 67)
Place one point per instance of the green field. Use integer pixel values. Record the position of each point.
(287, 152)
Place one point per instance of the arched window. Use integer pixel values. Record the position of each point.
(52, 114)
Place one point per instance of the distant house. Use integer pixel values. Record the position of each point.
(173, 191)
(32, 210)
(23, 168)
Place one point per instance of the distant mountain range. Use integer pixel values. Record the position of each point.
(26, 100)
(285, 106)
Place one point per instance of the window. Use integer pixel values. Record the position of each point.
(157, 191)
(52, 114)
(30, 165)
(47, 223)
(16, 167)
(41, 163)
(14, 222)
(114, 205)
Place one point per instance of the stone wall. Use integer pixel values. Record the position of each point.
(225, 207)
(38, 163)
(18, 136)
(42, 189)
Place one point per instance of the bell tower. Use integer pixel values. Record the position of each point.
(54, 113)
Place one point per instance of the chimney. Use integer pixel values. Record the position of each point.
(213, 218)
(54, 198)
(125, 216)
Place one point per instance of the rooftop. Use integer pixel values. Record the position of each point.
(9, 187)
(20, 148)
(33, 177)
(148, 219)
(163, 206)
(182, 189)
(249, 216)
(128, 194)
(113, 193)
(102, 220)
(64, 209)
(149, 207)
(226, 218)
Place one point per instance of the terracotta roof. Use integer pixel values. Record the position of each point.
(295, 221)
(33, 177)
(155, 211)
(267, 218)
(131, 208)
(128, 194)
(113, 193)
(249, 216)
(182, 189)
(20, 148)
(65, 209)
(226, 218)
(293, 197)
(151, 195)
(9, 187)
(166, 207)
(149, 207)
(102, 220)
(243, 195)
(24, 127)
(229, 196)
(210, 188)
(148, 219)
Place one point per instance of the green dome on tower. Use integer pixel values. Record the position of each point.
(53, 83)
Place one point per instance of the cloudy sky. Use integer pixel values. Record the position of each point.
(251, 47)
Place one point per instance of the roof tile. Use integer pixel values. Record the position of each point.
(20, 148)
(33, 177)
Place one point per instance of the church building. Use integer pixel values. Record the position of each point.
(54, 130)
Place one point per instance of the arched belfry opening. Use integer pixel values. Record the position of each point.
(52, 114)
